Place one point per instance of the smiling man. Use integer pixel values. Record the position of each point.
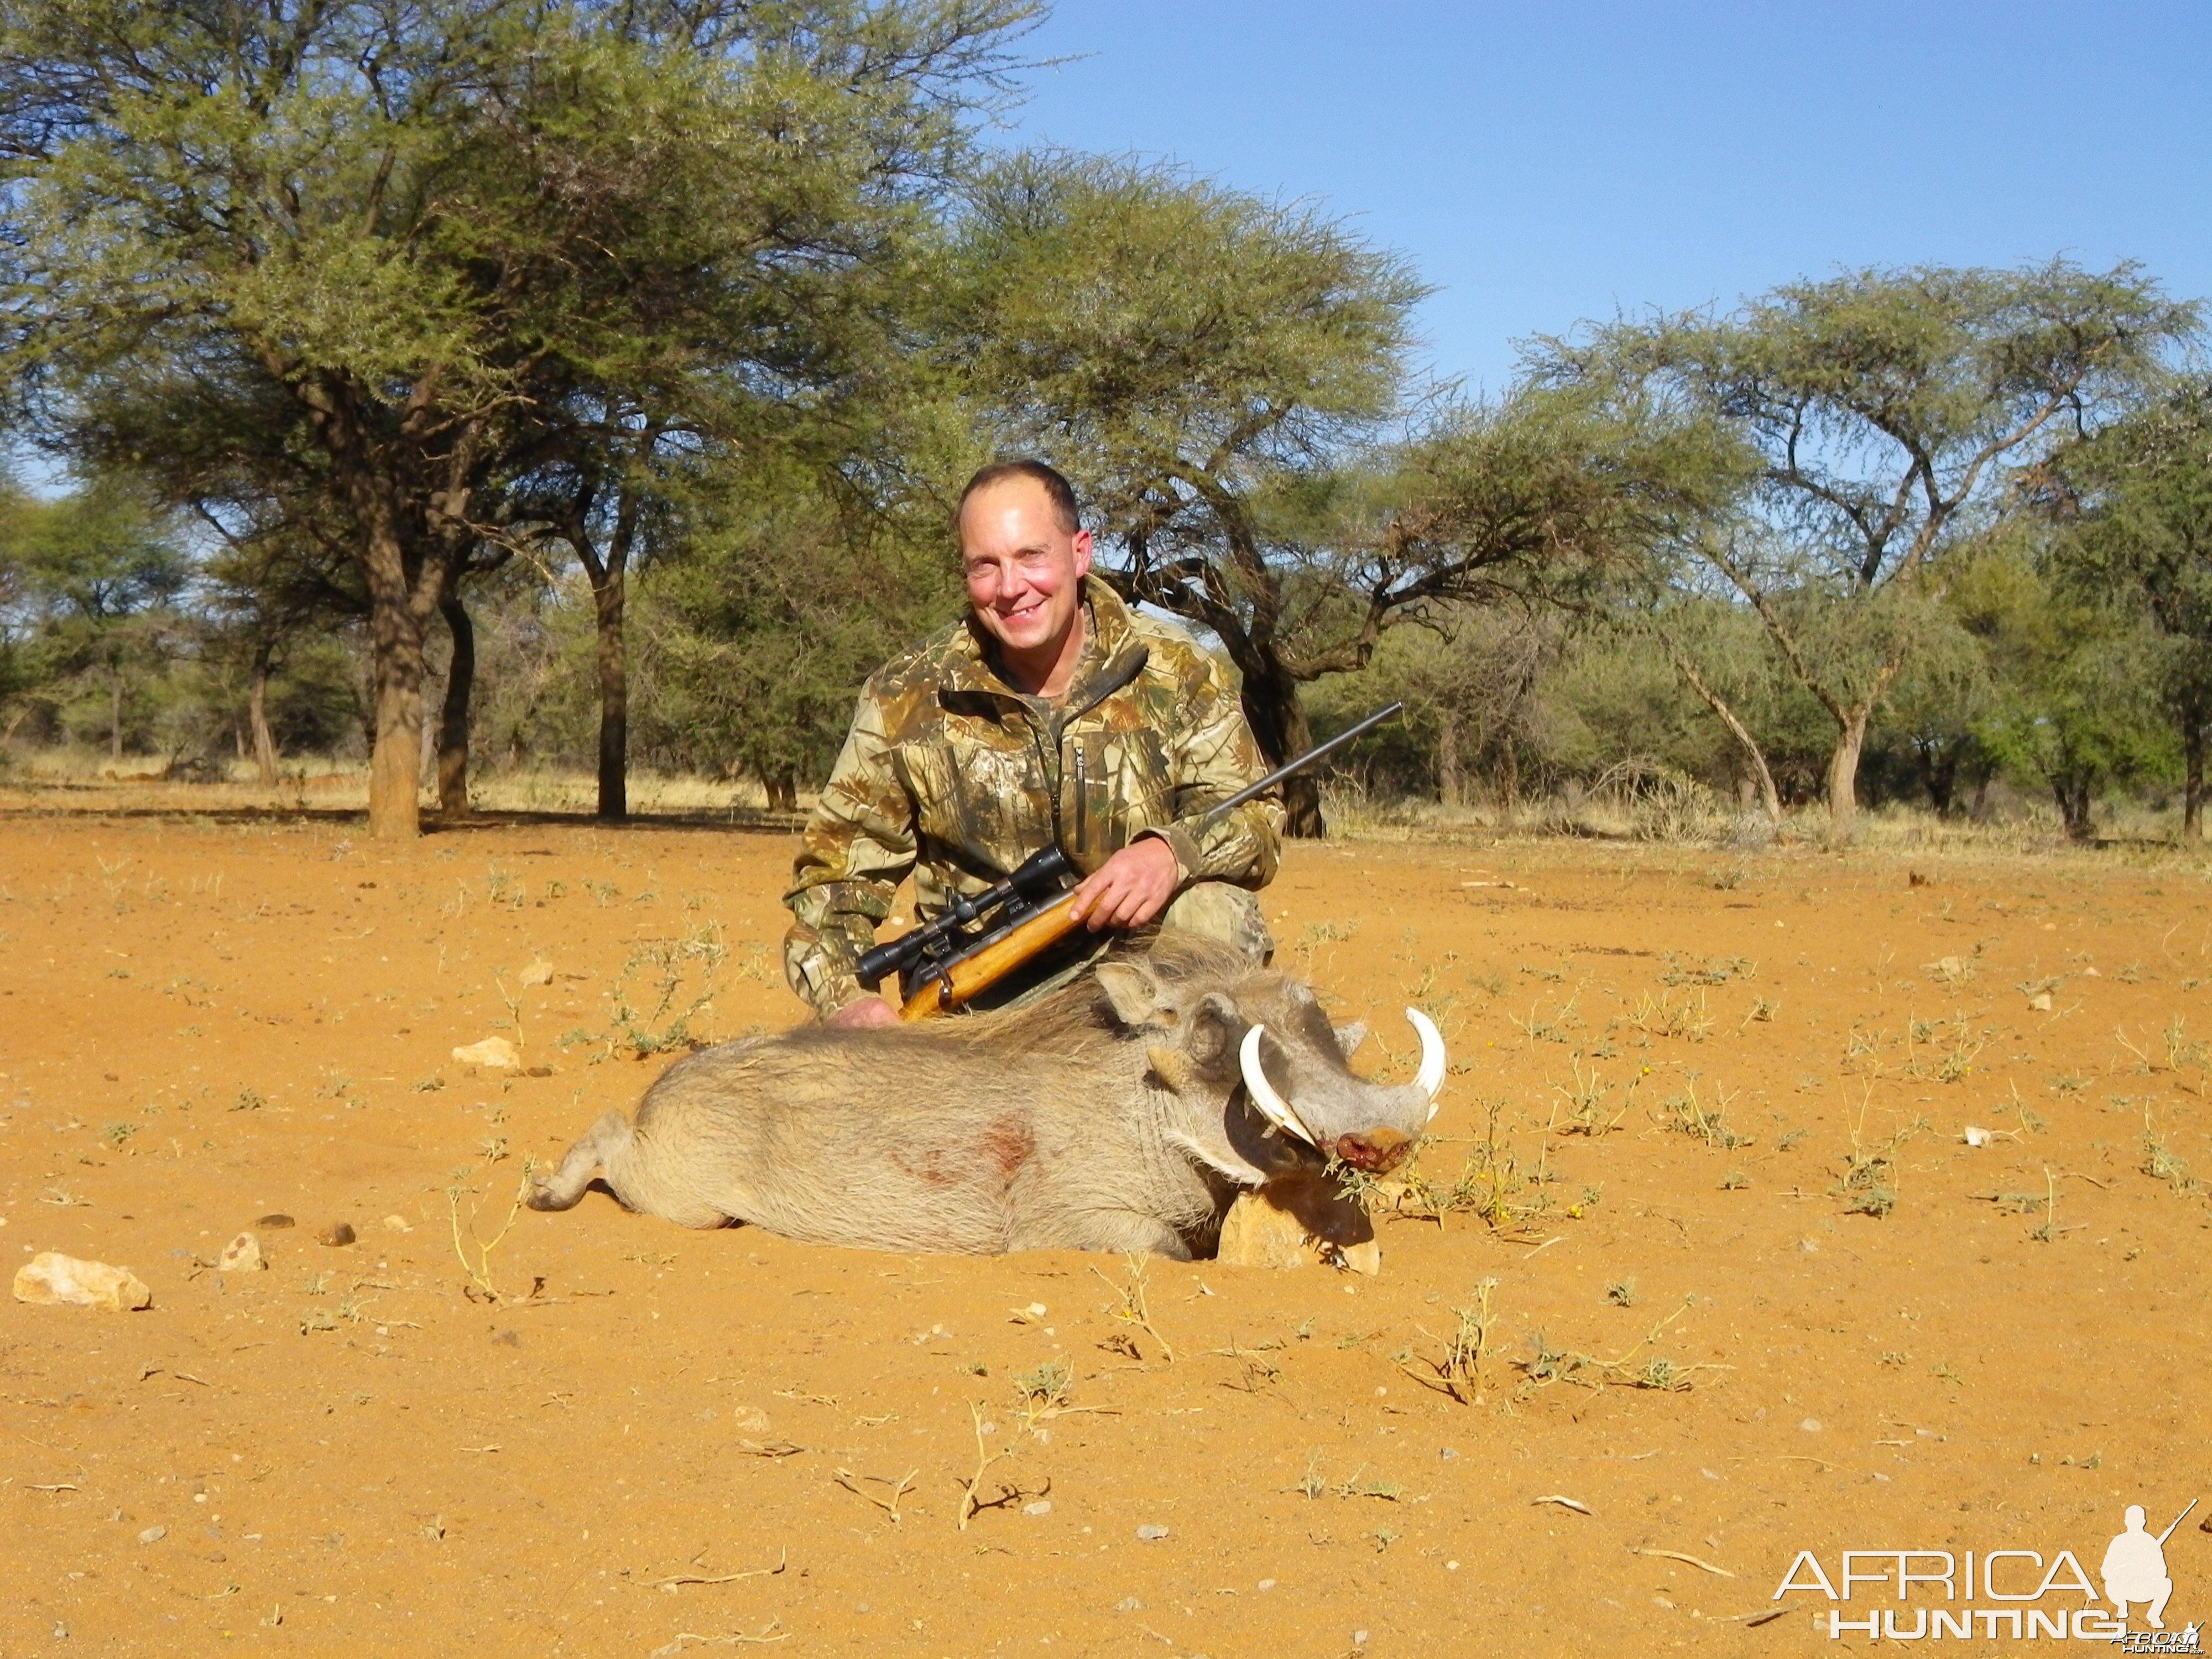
(1052, 712)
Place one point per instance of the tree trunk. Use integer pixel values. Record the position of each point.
(2071, 790)
(115, 716)
(783, 789)
(1843, 771)
(1451, 781)
(2193, 744)
(454, 717)
(257, 712)
(614, 698)
(1938, 762)
(1769, 797)
(1278, 719)
(395, 634)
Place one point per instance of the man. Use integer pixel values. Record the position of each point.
(1052, 712)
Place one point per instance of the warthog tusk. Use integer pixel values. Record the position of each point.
(1430, 1077)
(1273, 1106)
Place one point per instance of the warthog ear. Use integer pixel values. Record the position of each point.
(1132, 992)
(1349, 1037)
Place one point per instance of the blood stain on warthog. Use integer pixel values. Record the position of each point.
(1008, 1145)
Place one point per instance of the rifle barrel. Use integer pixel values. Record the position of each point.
(1215, 815)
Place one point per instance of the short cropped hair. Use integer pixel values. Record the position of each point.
(1056, 486)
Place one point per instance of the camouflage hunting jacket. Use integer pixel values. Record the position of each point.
(950, 774)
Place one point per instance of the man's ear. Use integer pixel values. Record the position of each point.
(1132, 991)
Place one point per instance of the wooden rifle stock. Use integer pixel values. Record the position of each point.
(1035, 934)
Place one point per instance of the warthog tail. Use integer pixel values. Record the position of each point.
(606, 1145)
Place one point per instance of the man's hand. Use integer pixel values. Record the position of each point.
(866, 1011)
(1129, 888)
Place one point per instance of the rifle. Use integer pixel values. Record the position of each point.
(941, 967)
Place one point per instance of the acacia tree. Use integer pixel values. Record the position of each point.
(389, 235)
(1883, 407)
(2135, 507)
(102, 573)
(1216, 371)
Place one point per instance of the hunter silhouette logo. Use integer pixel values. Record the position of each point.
(2028, 1592)
(2134, 1568)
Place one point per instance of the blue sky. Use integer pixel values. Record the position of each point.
(1543, 164)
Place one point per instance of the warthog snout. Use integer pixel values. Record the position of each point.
(1378, 1151)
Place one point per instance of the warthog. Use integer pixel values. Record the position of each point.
(1124, 1112)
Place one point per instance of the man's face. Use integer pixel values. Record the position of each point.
(1025, 570)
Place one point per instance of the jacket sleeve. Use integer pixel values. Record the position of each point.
(860, 845)
(1212, 755)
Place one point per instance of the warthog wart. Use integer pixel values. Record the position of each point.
(1124, 1112)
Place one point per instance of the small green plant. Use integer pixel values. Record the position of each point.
(118, 1132)
(1709, 1124)
(1591, 1114)
(249, 1100)
(1458, 1370)
(1868, 1185)
(662, 987)
(1622, 1292)
(1546, 1364)
(1734, 1181)
(1043, 1393)
(1558, 1026)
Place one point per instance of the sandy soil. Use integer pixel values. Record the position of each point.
(617, 1435)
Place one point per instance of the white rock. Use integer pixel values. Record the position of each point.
(152, 1535)
(241, 1255)
(1975, 1135)
(494, 1054)
(539, 972)
(1811, 1426)
(397, 1224)
(748, 1419)
(1043, 1506)
(1151, 1534)
(2040, 1002)
(51, 1280)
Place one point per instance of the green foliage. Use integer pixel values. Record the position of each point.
(1879, 407)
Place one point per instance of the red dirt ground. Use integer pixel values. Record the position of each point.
(203, 1022)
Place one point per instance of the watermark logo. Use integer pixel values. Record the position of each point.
(2029, 1595)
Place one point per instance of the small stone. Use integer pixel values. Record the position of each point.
(152, 1535)
(1359, 1638)
(1151, 1534)
(50, 1279)
(338, 1234)
(1451, 1566)
(397, 1224)
(1129, 1604)
(494, 1054)
(1266, 1583)
(1811, 1426)
(2040, 1002)
(1446, 1453)
(538, 972)
(748, 1419)
(1043, 1506)
(1975, 1135)
(241, 1255)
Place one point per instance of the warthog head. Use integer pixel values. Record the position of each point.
(1260, 1073)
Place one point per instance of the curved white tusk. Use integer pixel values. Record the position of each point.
(1430, 1077)
(1273, 1106)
